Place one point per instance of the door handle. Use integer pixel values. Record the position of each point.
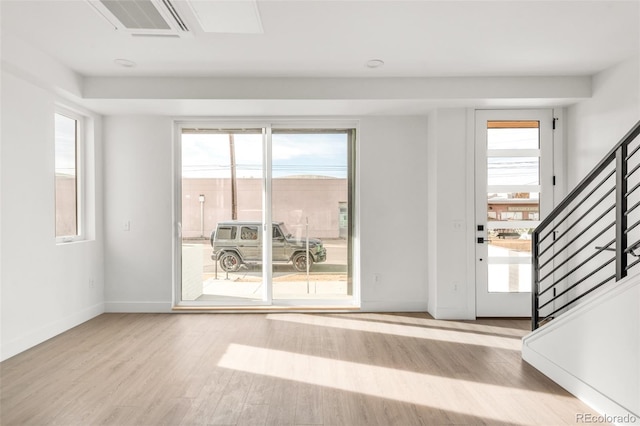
(481, 240)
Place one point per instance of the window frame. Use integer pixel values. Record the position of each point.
(80, 120)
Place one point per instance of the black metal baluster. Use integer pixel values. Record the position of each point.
(535, 237)
(621, 210)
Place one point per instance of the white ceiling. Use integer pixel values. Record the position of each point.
(336, 38)
(308, 38)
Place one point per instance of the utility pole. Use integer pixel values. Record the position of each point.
(234, 189)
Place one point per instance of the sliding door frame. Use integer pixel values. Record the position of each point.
(267, 126)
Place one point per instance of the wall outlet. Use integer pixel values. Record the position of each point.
(126, 226)
(92, 283)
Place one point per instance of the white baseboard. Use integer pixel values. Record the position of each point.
(52, 329)
(452, 314)
(138, 307)
(392, 306)
(162, 307)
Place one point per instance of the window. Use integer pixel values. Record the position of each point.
(227, 233)
(277, 235)
(297, 178)
(67, 177)
(249, 233)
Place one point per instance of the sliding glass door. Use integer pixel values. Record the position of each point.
(265, 195)
(221, 189)
(310, 186)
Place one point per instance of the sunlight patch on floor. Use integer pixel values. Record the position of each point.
(424, 321)
(452, 336)
(382, 382)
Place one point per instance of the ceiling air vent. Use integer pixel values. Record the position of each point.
(150, 18)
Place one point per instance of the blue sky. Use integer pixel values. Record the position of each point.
(208, 155)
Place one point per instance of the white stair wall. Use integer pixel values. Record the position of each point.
(593, 351)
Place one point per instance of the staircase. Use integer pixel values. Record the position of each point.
(586, 287)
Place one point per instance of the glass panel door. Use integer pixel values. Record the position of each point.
(513, 175)
(310, 209)
(222, 238)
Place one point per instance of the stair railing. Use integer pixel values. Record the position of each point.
(592, 237)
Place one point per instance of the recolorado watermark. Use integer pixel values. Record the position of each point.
(628, 419)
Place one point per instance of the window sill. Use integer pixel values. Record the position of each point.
(72, 241)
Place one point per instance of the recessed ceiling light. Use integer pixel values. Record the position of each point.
(125, 63)
(375, 63)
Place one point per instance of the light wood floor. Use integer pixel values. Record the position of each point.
(281, 369)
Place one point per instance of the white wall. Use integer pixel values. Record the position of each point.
(595, 125)
(393, 212)
(138, 189)
(451, 284)
(46, 288)
(593, 350)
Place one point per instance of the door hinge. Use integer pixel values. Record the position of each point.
(554, 181)
(554, 123)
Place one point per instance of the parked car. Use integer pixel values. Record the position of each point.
(238, 243)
